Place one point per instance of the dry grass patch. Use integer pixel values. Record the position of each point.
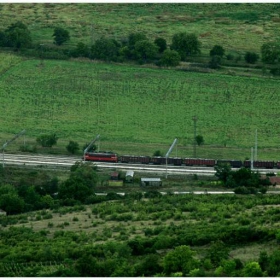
(251, 252)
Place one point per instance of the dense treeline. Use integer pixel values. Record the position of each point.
(38, 190)
(135, 47)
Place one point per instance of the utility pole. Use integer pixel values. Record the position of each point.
(194, 139)
(8, 142)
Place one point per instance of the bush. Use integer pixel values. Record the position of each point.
(47, 140)
(72, 147)
(217, 50)
(251, 57)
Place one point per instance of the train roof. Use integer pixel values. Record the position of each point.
(100, 153)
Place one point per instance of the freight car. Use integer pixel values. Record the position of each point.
(112, 157)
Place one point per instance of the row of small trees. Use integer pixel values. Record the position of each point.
(137, 47)
(49, 140)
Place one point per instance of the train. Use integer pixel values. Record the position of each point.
(177, 161)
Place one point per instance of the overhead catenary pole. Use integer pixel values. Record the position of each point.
(91, 143)
(10, 141)
(167, 154)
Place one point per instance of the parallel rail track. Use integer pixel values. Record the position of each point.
(68, 161)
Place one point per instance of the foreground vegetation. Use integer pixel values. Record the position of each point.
(183, 235)
(56, 225)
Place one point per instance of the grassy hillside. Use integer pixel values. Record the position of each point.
(237, 27)
(78, 100)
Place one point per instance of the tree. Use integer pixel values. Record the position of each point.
(199, 140)
(18, 36)
(161, 43)
(149, 266)
(133, 38)
(181, 259)
(217, 50)
(251, 57)
(273, 266)
(2, 39)
(10, 200)
(145, 50)
(105, 49)
(223, 172)
(252, 269)
(72, 147)
(185, 44)
(11, 203)
(170, 58)
(81, 50)
(157, 153)
(80, 185)
(47, 140)
(218, 252)
(60, 35)
(270, 52)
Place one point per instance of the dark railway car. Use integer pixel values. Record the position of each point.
(259, 164)
(175, 161)
(106, 157)
(170, 160)
(158, 160)
(199, 162)
(135, 159)
(278, 164)
(232, 163)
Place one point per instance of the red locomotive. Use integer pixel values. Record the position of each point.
(101, 156)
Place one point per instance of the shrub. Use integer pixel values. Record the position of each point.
(47, 140)
(72, 147)
(251, 57)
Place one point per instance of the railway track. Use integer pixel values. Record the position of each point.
(68, 161)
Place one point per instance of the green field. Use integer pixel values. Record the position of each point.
(137, 106)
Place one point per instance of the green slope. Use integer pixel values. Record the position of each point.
(78, 100)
